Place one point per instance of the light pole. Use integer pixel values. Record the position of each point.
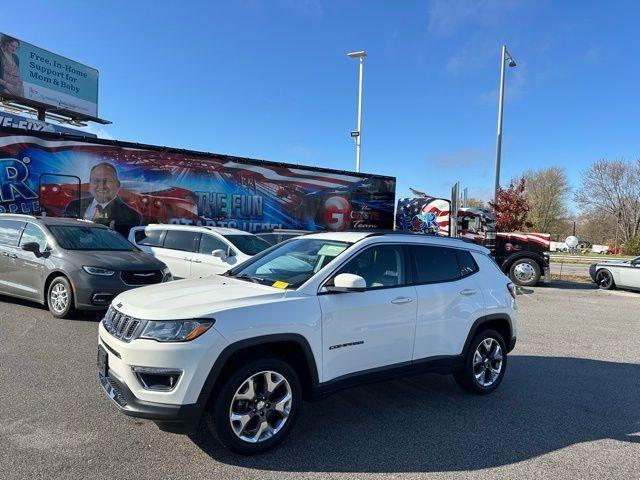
(358, 133)
(512, 63)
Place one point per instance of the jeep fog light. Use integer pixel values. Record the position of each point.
(154, 378)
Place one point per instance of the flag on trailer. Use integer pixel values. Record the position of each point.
(423, 215)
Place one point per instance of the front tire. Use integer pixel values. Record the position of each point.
(484, 364)
(256, 407)
(60, 298)
(604, 279)
(525, 272)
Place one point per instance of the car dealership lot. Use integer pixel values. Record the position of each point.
(568, 408)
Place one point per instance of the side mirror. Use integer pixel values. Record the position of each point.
(348, 282)
(221, 254)
(32, 247)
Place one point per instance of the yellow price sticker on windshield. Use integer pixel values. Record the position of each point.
(280, 284)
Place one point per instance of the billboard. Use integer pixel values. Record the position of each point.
(122, 185)
(16, 121)
(30, 73)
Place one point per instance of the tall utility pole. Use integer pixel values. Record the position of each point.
(512, 63)
(360, 55)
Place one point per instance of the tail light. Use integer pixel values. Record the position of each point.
(512, 290)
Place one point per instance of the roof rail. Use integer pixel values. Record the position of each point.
(20, 215)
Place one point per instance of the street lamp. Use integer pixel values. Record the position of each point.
(357, 134)
(512, 63)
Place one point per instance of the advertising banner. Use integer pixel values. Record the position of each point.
(424, 215)
(122, 185)
(16, 121)
(31, 73)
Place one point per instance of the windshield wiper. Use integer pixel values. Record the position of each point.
(245, 276)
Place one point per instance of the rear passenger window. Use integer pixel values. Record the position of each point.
(149, 238)
(435, 264)
(467, 264)
(10, 232)
(180, 240)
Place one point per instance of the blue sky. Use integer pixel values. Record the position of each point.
(271, 80)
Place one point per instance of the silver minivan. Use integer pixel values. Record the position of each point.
(69, 264)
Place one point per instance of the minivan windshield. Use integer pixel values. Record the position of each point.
(290, 264)
(84, 237)
(248, 244)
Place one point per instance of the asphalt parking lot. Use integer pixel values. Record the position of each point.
(569, 407)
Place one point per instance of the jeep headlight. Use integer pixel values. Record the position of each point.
(176, 330)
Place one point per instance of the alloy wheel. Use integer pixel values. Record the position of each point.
(604, 279)
(260, 407)
(59, 298)
(487, 362)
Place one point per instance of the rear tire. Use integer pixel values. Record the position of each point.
(256, 407)
(484, 364)
(525, 272)
(604, 280)
(60, 299)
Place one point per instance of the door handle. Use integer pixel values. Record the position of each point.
(196, 261)
(401, 300)
(468, 292)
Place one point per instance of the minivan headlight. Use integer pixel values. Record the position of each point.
(103, 272)
(176, 330)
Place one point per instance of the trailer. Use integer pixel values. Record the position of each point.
(123, 184)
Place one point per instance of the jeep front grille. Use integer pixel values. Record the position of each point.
(121, 326)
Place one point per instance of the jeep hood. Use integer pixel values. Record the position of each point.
(193, 298)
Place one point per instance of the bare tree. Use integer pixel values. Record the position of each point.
(612, 188)
(474, 202)
(546, 191)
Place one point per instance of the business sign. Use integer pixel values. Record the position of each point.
(33, 74)
(137, 186)
(16, 121)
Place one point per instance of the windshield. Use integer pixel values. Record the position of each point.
(290, 264)
(83, 237)
(248, 244)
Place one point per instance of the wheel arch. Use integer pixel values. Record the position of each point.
(507, 262)
(500, 322)
(47, 282)
(290, 347)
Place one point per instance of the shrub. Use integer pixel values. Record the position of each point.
(632, 246)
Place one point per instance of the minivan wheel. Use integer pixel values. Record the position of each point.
(256, 406)
(484, 363)
(525, 272)
(60, 298)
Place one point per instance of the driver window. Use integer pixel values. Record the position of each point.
(32, 233)
(381, 266)
(209, 243)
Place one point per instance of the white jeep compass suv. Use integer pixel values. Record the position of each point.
(307, 317)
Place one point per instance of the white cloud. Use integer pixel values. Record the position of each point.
(515, 83)
(446, 17)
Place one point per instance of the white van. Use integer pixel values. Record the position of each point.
(194, 251)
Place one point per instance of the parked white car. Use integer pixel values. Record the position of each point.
(194, 251)
(311, 315)
(616, 274)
